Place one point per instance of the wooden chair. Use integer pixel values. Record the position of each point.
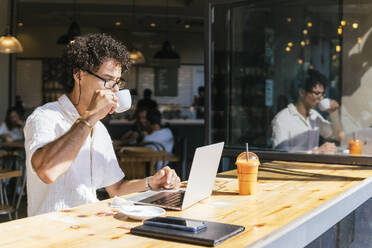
(11, 166)
(140, 161)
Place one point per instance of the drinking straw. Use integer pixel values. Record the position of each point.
(246, 151)
(354, 136)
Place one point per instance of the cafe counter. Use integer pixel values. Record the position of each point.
(294, 204)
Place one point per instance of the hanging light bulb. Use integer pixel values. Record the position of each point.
(338, 48)
(290, 44)
(355, 25)
(309, 24)
(305, 31)
(302, 43)
(287, 49)
(339, 30)
(289, 19)
(343, 23)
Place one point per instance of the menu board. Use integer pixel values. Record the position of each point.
(166, 81)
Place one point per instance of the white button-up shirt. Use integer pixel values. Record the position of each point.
(94, 167)
(292, 132)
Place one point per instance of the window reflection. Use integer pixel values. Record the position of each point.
(297, 128)
(261, 57)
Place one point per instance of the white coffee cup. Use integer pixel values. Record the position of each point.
(324, 104)
(124, 101)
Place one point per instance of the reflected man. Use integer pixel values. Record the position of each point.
(297, 127)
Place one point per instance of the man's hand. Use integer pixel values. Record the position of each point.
(334, 106)
(165, 178)
(103, 102)
(326, 148)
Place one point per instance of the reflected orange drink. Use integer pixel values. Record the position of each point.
(355, 147)
(247, 173)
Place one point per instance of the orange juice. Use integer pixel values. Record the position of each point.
(247, 173)
(355, 147)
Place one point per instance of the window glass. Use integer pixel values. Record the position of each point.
(292, 76)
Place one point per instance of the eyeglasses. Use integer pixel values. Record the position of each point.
(318, 93)
(110, 84)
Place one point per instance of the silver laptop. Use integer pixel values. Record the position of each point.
(200, 184)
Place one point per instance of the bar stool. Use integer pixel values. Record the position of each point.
(11, 166)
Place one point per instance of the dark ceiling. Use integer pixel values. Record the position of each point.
(132, 15)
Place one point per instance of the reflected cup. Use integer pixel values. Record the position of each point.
(124, 101)
(325, 104)
(355, 147)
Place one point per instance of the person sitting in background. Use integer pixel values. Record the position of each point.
(140, 128)
(147, 102)
(198, 103)
(299, 125)
(11, 128)
(159, 134)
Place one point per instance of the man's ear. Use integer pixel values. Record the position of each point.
(77, 75)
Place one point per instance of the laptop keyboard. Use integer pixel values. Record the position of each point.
(171, 199)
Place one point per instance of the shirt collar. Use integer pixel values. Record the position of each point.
(293, 110)
(68, 108)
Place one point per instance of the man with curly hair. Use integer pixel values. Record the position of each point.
(69, 153)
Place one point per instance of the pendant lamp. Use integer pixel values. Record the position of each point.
(166, 51)
(73, 30)
(10, 44)
(135, 55)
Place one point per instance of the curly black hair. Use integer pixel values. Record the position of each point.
(314, 78)
(88, 52)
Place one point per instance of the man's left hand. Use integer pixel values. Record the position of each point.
(166, 178)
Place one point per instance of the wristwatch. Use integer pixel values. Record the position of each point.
(148, 186)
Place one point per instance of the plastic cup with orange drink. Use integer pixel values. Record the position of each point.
(247, 172)
(355, 145)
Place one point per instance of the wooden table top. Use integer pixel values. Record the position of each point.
(288, 194)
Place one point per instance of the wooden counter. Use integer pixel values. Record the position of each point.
(294, 204)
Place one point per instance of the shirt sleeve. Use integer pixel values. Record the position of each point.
(280, 135)
(39, 131)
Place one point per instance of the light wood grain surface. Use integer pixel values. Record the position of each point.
(285, 192)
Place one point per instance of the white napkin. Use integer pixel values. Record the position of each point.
(118, 202)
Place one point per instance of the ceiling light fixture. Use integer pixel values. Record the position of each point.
(135, 55)
(167, 51)
(8, 42)
(73, 30)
